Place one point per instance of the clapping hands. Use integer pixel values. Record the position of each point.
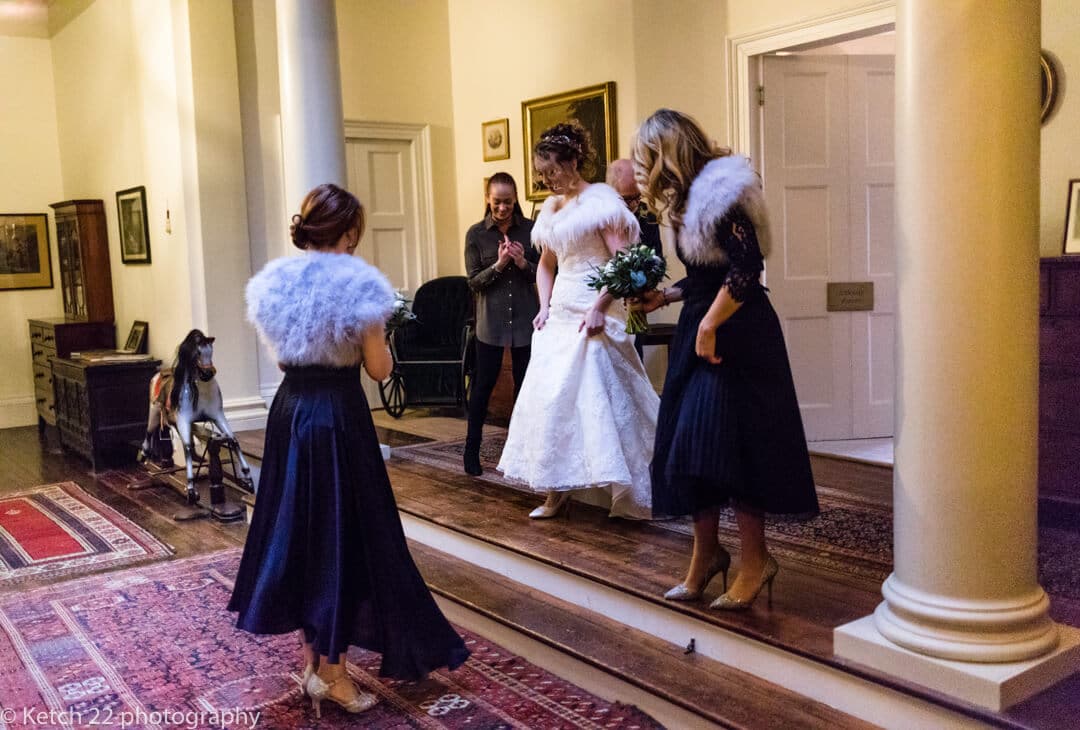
(511, 251)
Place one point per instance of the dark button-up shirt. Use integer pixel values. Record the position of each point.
(506, 301)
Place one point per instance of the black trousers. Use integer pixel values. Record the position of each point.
(488, 364)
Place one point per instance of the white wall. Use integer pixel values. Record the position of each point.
(30, 159)
(116, 101)
(395, 67)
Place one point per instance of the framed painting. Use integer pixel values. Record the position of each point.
(136, 339)
(593, 108)
(134, 226)
(24, 251)
(1072, 219)
(496, 134)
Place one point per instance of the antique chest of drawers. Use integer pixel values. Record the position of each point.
(59, 337)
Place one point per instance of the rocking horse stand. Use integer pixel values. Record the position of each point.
(221, 507)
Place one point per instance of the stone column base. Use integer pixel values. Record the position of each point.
(993, 686)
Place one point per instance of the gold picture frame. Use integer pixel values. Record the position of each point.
(25, 260)
(496, 139)
(1072, 219)
(592, 107)
(1049, 91)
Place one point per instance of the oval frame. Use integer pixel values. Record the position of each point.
(1049, 85)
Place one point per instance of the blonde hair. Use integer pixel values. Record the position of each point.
(670, 149)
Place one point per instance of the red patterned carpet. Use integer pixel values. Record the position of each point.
(59, 530)
(154, 647)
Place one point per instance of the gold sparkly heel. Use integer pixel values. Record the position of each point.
(726, 603)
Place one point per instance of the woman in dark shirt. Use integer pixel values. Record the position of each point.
(501, 265)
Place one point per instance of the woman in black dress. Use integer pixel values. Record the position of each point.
(501, 263)
(326, 553)
(729, 429)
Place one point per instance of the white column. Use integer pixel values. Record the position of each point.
(964, 585)
(312, 118)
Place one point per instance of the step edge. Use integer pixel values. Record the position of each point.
(834, 663)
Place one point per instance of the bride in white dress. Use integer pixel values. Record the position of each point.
(586, 412)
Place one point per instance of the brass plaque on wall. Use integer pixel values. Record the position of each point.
(849, 296)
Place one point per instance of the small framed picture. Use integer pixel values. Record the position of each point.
(134, 226)
(136, 339)
(1072, 218)
(496, 134)
(24, 251)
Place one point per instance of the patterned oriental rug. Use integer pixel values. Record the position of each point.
(154, 647)
(60, 530)
(851, 538)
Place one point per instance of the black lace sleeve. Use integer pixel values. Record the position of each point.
(737, 238)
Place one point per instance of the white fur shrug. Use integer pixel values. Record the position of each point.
(720, 186)
(597, 208)
(312, 309)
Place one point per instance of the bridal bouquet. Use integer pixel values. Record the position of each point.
(401, 314)
(630, 273)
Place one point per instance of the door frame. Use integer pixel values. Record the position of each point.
(872, 17)
(419, 137)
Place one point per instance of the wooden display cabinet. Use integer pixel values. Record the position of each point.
(83, 242)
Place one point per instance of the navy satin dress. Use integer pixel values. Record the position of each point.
(731, 432)
(326, 552)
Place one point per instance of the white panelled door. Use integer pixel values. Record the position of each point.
(387, 172)
(382, 174)
(828, 181)
(871, 95)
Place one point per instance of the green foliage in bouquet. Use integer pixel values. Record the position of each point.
(630, 273)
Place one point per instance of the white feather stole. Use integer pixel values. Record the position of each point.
(597, 208)
(312, 309)
(721, 185)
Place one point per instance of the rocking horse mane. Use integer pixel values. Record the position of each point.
(185, 368)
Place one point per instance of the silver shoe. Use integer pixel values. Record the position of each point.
(720, 564)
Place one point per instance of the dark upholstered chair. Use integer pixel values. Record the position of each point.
(433, 354)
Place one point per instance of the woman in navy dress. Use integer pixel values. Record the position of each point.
(326, 553)
(729, 429)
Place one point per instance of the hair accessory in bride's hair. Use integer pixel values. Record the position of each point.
(562, 139)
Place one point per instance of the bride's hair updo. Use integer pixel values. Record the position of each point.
(327, 213)
(670, 149)
(565, 143)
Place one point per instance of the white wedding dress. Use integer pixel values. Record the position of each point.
(586, 413)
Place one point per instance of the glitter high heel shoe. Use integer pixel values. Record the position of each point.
(544, 512)
(726, 603)
(318, 690)
(309, 671)
(720, 564)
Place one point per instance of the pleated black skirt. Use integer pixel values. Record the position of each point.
(326, 552)
(731, 432)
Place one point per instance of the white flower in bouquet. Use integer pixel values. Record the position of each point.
(402, 314)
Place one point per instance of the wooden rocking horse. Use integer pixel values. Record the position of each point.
(184, 395)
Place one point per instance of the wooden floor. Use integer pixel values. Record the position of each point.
(635, 557)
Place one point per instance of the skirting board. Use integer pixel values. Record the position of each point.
(19, 411)
(994, 686)
(246, 414)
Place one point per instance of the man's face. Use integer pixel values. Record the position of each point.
(628, 191)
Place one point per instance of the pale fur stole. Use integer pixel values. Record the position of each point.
(721, 185)
(597, 208)
(312, 309)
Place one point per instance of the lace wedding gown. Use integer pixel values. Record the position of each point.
(586, 413)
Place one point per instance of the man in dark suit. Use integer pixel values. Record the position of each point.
(620, 175)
